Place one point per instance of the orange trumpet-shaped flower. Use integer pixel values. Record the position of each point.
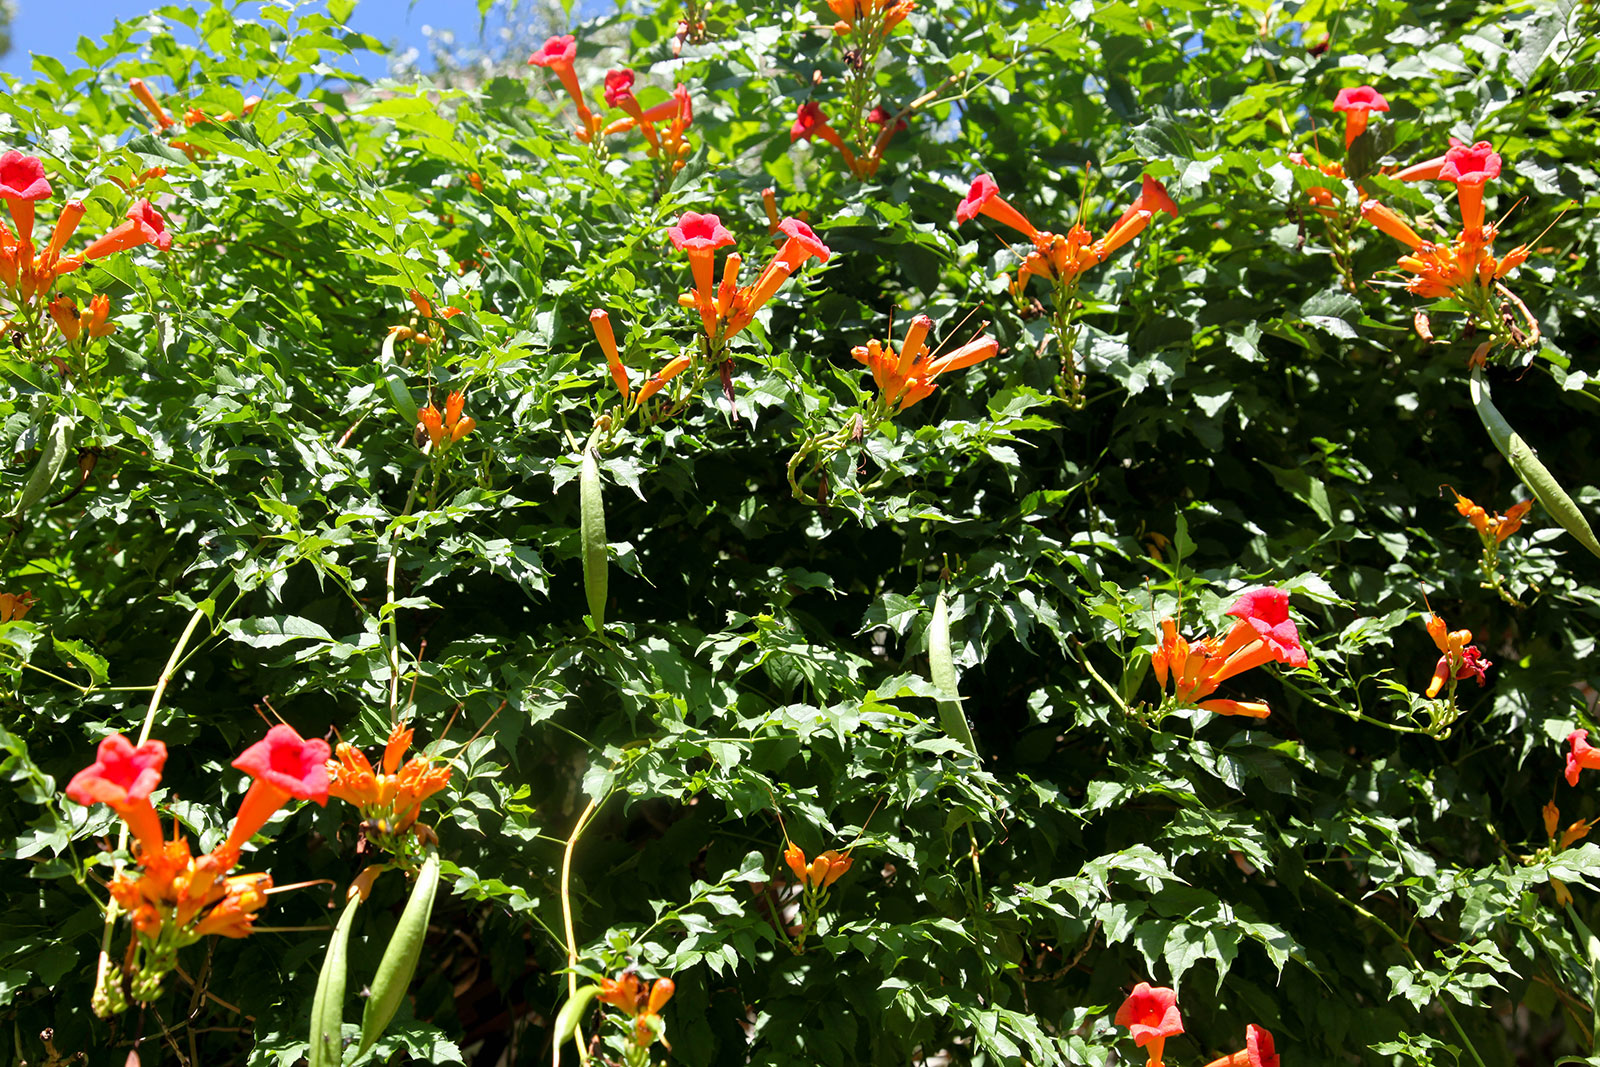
(1151, 1015)
(600, 323)
(122, 777)
(284, 766)
(66, 226)
(142, 93)
(144, 226)
(1471, 167)
(1391, 224)
(1357, 104)
(22, 182)
(15, 606)
(676, 366)
(1258, 1051)
(65, 314)
(983, 198)
(243, 896)
(800, 244)
(820, 873)
(391, 799)
(699, 236)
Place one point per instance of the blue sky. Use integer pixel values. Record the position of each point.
(41, 28)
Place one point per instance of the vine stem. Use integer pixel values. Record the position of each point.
(394, 625)
(566, 905)
(1444, 1001)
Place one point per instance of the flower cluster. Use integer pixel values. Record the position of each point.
(1061, 259)
(908, 377)
(173, 897)
(560, 54)
(1264, 633)
(641, 1002)
(29, 274)
(443, 430)
(677, 112)
(1459, 658)
(819, 873)
(391, 799)
(876, 18)
(91, 322)
(732, 307)
(812, 122)
(1493, 529)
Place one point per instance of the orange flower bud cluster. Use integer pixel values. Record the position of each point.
(390, 800)
(873, 18)
(173, 897)
(92, 320)
(1459, 658)
(1062, 259)
(908, 377)
(639, 1002)
(444, 430)
(819, 874)
(14, 607)
(1492, 527)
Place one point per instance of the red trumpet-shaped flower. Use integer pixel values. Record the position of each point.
(123, 777)
(284, 766)
(1582, 757)
(1258, 1051)
(1471, 167)
(699, 237)
(144, 226)
(1459, 659)
(1357, 104)
(984, 198)
(1151, 1015)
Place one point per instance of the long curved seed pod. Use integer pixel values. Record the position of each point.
(399, 961)
(942, 672)
(592, 523)
(1534, 474)
(568, 1018)
(52, 457)
(327, 1005)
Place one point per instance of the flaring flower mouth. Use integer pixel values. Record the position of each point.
(556, 52)
(982, 191)
(1470, 164)
(1267, 612)
(807, 121)
(291, 763)
(1150, 1013)
(699, 233)
(1361, 98)
(121, 773)
(805, 237)
(619, 84)
(22, 177)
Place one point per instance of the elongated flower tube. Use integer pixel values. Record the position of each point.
(1357, 104)
(1390, 223)
(1471, 168)
(800, 244)
(22, 182)
(284, 766)
(65, 314)
(619, 94)
(600, 323)
(142, 93)
(653, 384)
(1153, 198)
(66, 226)
(984, 198)
(969, 354)
(123, 777)
(810, 121)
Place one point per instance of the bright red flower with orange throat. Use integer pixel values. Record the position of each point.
(1357, 104)
(1151, 1015)
(123, 776)
(284, 766)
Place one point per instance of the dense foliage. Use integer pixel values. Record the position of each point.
(690, 636)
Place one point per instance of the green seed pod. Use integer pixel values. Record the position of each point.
(394, 382)
(52, 457)
(942, 672)
(571, 1014)
(1546, 490)
(400, 958)
(327, 1005)
(592, 523)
